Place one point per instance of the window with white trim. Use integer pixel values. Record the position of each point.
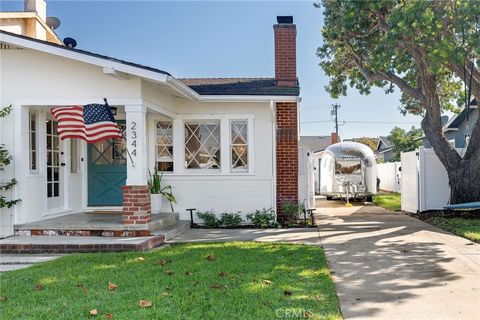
(164, 146)
(202, 144)
(33, 148)
(239, 145)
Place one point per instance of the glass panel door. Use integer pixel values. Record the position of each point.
(55, 167)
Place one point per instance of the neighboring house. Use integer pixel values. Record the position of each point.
(384, 151)
(226, 145)
(459, 128)
(33, 22)
(315, 143)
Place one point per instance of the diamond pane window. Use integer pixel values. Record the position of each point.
(239, 145)
(164, 146)
(202, 144)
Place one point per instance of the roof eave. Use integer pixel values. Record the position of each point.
(248, 98)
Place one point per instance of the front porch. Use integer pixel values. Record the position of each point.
(103, 224)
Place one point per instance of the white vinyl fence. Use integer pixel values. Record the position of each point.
(390, 176)
(424, 181)
(306, 178)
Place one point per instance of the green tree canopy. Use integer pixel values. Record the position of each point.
(428, 49)
(404, 141)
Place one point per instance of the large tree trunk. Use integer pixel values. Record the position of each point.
(463, 173)
(465, 181)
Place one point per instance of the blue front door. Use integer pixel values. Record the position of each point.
(107, 171)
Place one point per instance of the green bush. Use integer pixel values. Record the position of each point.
(264, 218)
(292, 209)
(210, 220)
(230, 220)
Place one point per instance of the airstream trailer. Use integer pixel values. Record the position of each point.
(348, 170)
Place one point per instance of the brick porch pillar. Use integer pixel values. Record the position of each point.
(136, 205)
(136, 194)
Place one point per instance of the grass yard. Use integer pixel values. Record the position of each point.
(235, 280)
(467, 228)
(389, 201)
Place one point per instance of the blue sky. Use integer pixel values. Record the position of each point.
(223, 39)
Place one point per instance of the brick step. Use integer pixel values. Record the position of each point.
(62, 244)
(96, 225)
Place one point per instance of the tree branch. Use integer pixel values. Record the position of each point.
(384, 76)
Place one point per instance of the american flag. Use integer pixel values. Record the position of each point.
(92, 123)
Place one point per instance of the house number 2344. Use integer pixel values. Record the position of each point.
(133, 132)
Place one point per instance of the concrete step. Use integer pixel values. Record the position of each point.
(63, 244)
(101, 225)
(163, 220)
(173, 230)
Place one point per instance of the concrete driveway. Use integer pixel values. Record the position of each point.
(390, 266)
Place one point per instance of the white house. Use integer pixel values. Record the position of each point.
(226, 144)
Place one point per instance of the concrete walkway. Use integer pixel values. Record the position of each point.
(298, 235)
(9, 262)
(392, 266)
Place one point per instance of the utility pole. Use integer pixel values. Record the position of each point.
(335, 114)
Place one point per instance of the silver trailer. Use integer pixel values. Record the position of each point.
(348, 171)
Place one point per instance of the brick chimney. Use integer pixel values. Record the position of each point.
(285, 52)
(286, 115)
(334, 138)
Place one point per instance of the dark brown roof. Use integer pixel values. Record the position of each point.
(203, 86)
(239, 86)
(88, 53)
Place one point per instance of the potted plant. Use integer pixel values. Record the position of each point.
(157, 192)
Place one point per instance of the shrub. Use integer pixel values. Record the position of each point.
(292, 209)
(264, 218)
(210, 220)
(230, 220)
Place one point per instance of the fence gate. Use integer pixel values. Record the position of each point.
(410, 181)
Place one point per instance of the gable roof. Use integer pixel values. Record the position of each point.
(85, 52)
(193, 88)
(457, 119)
(239, 86)
(315, 143)
(385, 141)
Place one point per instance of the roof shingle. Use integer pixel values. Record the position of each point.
(239, 86)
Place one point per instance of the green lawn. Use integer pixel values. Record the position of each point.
(467, 228)
(390, 201)
(236, 280)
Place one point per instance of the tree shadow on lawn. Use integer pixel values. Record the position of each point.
(374, 262)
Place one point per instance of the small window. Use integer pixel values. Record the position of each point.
(239, 145)
(74, 155)
(202, 144)
(164, 146)
(33, 148)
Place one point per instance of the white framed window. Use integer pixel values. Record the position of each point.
(33, 140)
(202, 144)
(164, 146)
(74, 156)
(239, 145)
